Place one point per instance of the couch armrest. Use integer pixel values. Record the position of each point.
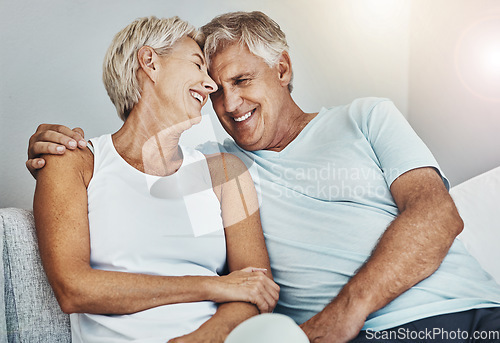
(32, 313)
(477, 201)
(3, 319)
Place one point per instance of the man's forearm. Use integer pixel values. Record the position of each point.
(413, 246)
(409, 251)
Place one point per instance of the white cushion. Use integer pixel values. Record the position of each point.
(478, 202)
(267, 328)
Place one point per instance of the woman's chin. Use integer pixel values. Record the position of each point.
(196, 120)
(186, 124)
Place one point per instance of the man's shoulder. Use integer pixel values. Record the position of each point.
(361, 105)
(369, 103)
(358, 111)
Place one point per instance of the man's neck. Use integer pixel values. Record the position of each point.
(294, 121)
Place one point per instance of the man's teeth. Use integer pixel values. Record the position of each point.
(197, 96)
(245, 117)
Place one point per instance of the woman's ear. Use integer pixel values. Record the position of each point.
(285, 69)
(147, 61)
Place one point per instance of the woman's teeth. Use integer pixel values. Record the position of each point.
(244, 117)
(197, 96)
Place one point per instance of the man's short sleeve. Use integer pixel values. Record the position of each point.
(396, 145)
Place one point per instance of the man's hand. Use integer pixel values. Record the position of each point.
(54, 140)
(339, 322)
(327, 327)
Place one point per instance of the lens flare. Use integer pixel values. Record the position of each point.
(477, 58)
(492, 59)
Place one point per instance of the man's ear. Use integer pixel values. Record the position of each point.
(285, 69)
(148, 60)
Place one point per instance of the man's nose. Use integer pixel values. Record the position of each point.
(232, 100)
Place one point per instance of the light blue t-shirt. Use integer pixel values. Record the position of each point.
(325, 201)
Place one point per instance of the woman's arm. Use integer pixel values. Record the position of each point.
(61, 216)
(245, 247)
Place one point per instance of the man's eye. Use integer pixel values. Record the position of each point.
(241, 81)
(198, 65)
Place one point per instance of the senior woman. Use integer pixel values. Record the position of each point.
(135, 231)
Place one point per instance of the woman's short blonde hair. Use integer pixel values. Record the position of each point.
(121, 61)
(257, 31)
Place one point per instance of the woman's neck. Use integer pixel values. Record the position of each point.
(148, 144)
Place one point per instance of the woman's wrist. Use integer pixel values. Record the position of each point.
(209, 288)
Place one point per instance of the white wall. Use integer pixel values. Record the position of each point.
(454, 95)
(341, 49)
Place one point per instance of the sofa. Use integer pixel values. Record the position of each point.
(31, 313)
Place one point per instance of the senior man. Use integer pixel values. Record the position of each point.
(358, 221)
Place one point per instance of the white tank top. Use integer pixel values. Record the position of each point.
(152, 225)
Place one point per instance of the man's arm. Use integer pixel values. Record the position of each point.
(245, 245)
(410, 250)
(52, 139)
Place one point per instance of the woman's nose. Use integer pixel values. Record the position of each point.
(210, 84)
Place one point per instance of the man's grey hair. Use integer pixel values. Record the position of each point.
(257, 31)
(121, 62)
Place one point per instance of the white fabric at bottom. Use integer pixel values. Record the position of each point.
(268, 328)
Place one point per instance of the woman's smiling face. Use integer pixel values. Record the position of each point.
(182, 84)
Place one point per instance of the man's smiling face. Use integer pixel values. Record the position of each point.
(250, 97)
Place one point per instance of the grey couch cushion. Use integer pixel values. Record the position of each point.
(32, 313)
(3, 322)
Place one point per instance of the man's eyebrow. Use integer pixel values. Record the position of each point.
(242, 76)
